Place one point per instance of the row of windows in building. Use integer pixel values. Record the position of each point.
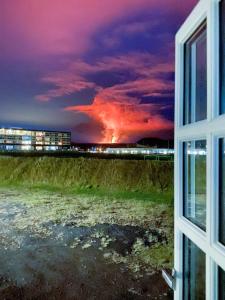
(24, 132)
(46, 141)
(30, 148)
(21, 139)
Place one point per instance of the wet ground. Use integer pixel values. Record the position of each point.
(63, 259)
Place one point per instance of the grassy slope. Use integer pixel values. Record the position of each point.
(120, 178)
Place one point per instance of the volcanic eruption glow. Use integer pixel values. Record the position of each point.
(122, 121)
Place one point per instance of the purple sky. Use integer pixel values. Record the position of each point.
(102, 69)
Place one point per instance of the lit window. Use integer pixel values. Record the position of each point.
(195, 89)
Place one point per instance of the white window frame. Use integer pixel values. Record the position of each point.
(211, 130)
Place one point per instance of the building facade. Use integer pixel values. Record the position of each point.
(199, 268)
(140, 151)
(16, 139)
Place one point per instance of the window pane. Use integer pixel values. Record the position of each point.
(195, 182)
(221, 284)
(195, 89)
(194, 272)
(222, 191)
(222, 56)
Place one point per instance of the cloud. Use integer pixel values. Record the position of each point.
(65, 84)
(89, 132)
(145, 67)
(129, 91)
(134, 28)
(125, 122)
(127, 30)
(57, 27)
(75, 45)
(31, 29)
(118, 109)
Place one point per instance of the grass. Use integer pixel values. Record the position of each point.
(124, 179)
(154, 196)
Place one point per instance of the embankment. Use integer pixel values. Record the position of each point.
(122, 176)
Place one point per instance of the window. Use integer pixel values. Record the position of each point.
(200, 154)
(222, 57)
(195, 91)
(195, 182)
(194, 272)
(221, 284)
(222, 191)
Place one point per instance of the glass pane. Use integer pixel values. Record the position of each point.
(221, 284)
(222, 191)
(195, 89)
(195, 182)
(194, 272)
(222, 56)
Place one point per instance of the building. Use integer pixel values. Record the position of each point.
(140, 151)
(199, 270)
(17, 139)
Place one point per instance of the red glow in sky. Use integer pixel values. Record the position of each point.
(123, 116)
(122, 121)
(102, 69)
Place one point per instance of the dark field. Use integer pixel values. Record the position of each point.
(61, 239)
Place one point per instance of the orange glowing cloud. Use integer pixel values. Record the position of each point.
(118, 109)
(122, 122)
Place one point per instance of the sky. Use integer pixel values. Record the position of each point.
(102, 69)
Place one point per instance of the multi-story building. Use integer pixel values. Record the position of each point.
(23, 139)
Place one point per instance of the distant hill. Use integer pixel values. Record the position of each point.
(156, 142)
(86, 146)
(145, 142)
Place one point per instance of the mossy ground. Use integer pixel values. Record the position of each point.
(43, 207)
(118, 211)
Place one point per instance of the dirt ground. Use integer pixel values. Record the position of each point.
(67, 247)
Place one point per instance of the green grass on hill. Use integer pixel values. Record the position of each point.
(123, 179)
